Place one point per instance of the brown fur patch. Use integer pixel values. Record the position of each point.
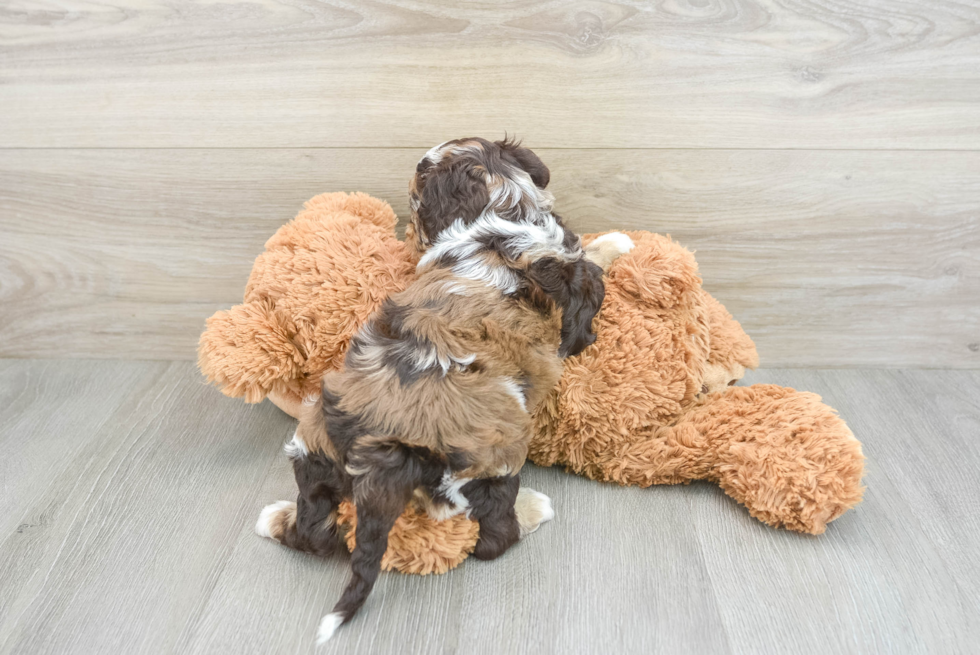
(469, 410)
(282, 521)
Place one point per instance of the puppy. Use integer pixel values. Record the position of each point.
(436, 395)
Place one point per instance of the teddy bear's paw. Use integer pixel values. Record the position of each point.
(276, 519)
(533, 508)
(604, 250)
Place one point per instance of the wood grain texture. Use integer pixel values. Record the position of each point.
(622, 73)
(827, 258)
(146, 542)
(123, 546)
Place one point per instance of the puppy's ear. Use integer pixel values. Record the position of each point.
(527, 160)
(449, 192)
(577, 289)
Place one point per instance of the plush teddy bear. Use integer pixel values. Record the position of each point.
(650, 402)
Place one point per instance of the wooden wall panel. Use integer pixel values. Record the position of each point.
(624, 73)
(829, 258)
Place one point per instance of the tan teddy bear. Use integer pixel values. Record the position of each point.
(649, 403)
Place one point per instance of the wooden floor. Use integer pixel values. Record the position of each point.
(130, 490)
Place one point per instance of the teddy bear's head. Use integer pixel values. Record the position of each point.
(320, 278)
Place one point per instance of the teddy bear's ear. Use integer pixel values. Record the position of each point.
(247, 350)
(656, 271)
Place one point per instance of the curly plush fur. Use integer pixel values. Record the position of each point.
(649, 403)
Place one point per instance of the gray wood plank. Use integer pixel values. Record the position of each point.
(747, 74)
(596, 575)
(936, 487)
(827, 258)
(52, 412)
(136, 532)
(619, 570)
(147, 547)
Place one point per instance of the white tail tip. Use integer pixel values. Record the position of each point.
(328, 626)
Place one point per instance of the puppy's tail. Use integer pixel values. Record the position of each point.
(386, 475)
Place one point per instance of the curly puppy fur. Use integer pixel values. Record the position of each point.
(462, 178)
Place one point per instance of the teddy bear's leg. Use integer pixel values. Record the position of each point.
(418, 543)
(782, 453)
(248, 351)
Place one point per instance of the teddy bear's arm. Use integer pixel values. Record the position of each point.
(731, 350)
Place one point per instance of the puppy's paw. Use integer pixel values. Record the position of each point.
(533, 508)
(604, 250)
(275, 519)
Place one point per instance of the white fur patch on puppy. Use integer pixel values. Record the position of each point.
(604, 250)
(328, 626)
(466, 245)
(296, 447)
(451, 489)
(263, 527)
(533, 508)
(514, 389)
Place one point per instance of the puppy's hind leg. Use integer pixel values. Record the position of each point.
(388, 474)
(309, 524)
(491, 502)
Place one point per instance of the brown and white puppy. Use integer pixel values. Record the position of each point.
(462, 180)
(438, 387)
(437, 393)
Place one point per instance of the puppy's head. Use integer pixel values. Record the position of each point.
(576, 287)
(460, 179)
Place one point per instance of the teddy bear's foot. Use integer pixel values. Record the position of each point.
(533, 508)
(418, 543)
(276, 519)
(789, 458)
